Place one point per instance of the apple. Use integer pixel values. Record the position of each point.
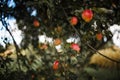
(44, 46)
(75, 47)
(73, 20)
(36, 23)
(57, 41)
(99, 36)
(87, 15)
(56, 65)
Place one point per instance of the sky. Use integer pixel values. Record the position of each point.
(13, 27)
(115, 30)
(11, 3)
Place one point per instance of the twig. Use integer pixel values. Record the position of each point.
(16, 46)
(101, 53)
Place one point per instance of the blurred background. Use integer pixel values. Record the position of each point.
(59, 40)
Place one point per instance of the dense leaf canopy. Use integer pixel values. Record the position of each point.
(52, 20)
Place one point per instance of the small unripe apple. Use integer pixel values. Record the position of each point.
(87, 15)
(57, 41)
(74, 21)
(99, 36)
(36, 23)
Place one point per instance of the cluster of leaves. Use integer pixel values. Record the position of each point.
(54, 20)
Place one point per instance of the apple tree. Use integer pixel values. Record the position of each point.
(59, 37)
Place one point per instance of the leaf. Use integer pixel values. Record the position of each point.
(103, 74)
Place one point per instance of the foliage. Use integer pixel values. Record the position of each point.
(35, 57)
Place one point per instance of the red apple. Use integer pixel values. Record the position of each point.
(87, 15)
(75, 47)
(99, 36)
(56, 65)
(36, 23)
(74, 21)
